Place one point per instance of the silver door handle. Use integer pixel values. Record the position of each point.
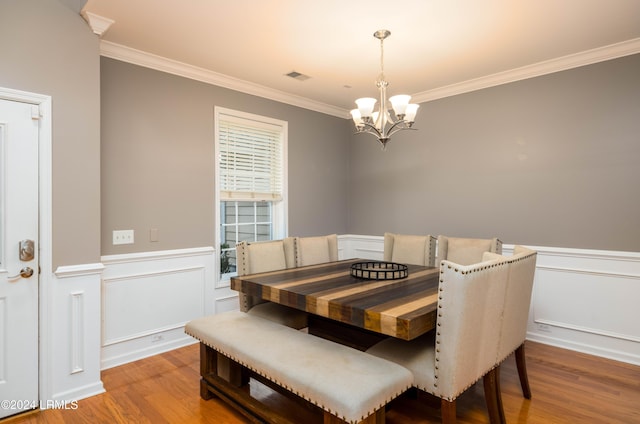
(25, 272)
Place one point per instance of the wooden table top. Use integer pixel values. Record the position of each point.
(404, 308)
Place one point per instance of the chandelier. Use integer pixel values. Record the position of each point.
(381, 124)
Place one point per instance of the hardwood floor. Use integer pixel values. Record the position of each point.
(567, 387)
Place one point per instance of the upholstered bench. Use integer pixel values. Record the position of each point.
(348, 385)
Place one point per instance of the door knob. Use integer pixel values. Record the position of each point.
(25, 272)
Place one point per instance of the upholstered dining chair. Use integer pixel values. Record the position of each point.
(465, 251)
(409, 249)
(464, 346)
(267, 256)
(316, 250)
(522, 267)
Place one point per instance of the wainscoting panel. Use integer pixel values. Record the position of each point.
(70, 334)
(583, 300)
(364, 247)
(586, 300)
(604, 304)
(148, 297)
(140, 305)
(77, 314)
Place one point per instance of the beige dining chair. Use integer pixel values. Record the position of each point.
(316, 250)
(409, 249)
(267, 256)
(522, 267)
(465, 251)
(464, 346)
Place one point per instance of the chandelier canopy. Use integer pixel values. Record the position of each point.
(381, 124)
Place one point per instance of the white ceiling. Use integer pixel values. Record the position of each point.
(436, 46)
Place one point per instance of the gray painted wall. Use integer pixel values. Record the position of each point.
(158, 164)
(47, 48)
(549, 161)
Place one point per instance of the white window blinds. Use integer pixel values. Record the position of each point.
(251, 159)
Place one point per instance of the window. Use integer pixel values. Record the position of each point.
(251, 181)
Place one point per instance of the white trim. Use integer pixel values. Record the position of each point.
(583, 329)
(576, 60)
(78, 270)
(159, 63)
(77, 314)
(99, 24)
(148, 60)
(45, 140)
(162, 254)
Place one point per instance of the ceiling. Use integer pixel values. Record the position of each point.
(436, 47)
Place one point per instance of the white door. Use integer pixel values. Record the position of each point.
(18, 257)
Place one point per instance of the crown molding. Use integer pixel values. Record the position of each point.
(148, 60)
(576, 60)
(99, 24)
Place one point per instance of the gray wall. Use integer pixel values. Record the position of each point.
(158, 162)
(47, 48)
(549, 161)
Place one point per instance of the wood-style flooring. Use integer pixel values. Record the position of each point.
(568, 387)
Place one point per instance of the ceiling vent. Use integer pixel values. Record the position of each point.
(298, 76)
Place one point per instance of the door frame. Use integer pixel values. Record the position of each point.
(45, 231)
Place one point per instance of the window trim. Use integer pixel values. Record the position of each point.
(280, 208)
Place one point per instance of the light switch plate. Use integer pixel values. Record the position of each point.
(123, 237)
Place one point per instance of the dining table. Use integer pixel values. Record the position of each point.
(350, 309)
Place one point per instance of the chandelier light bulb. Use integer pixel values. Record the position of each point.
(357, 117)
(410, 113)
(365, 106)
(400, 103)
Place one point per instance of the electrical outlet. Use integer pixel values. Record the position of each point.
(123, 237)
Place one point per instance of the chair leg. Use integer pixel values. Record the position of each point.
(448, 411)
(493, 396)
(503, 419)
(522, 372)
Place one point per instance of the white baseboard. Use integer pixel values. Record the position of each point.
(75, 394)
(143, 347)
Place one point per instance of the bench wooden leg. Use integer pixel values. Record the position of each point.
(208, 365)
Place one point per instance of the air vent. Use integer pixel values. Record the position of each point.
(298, 76)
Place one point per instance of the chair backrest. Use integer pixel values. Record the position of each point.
(316, 250)
(262, 256)
(470, 308)
(465, 251)
(409, 249)
(522, 267)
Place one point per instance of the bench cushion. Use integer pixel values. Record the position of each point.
(343, 381)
